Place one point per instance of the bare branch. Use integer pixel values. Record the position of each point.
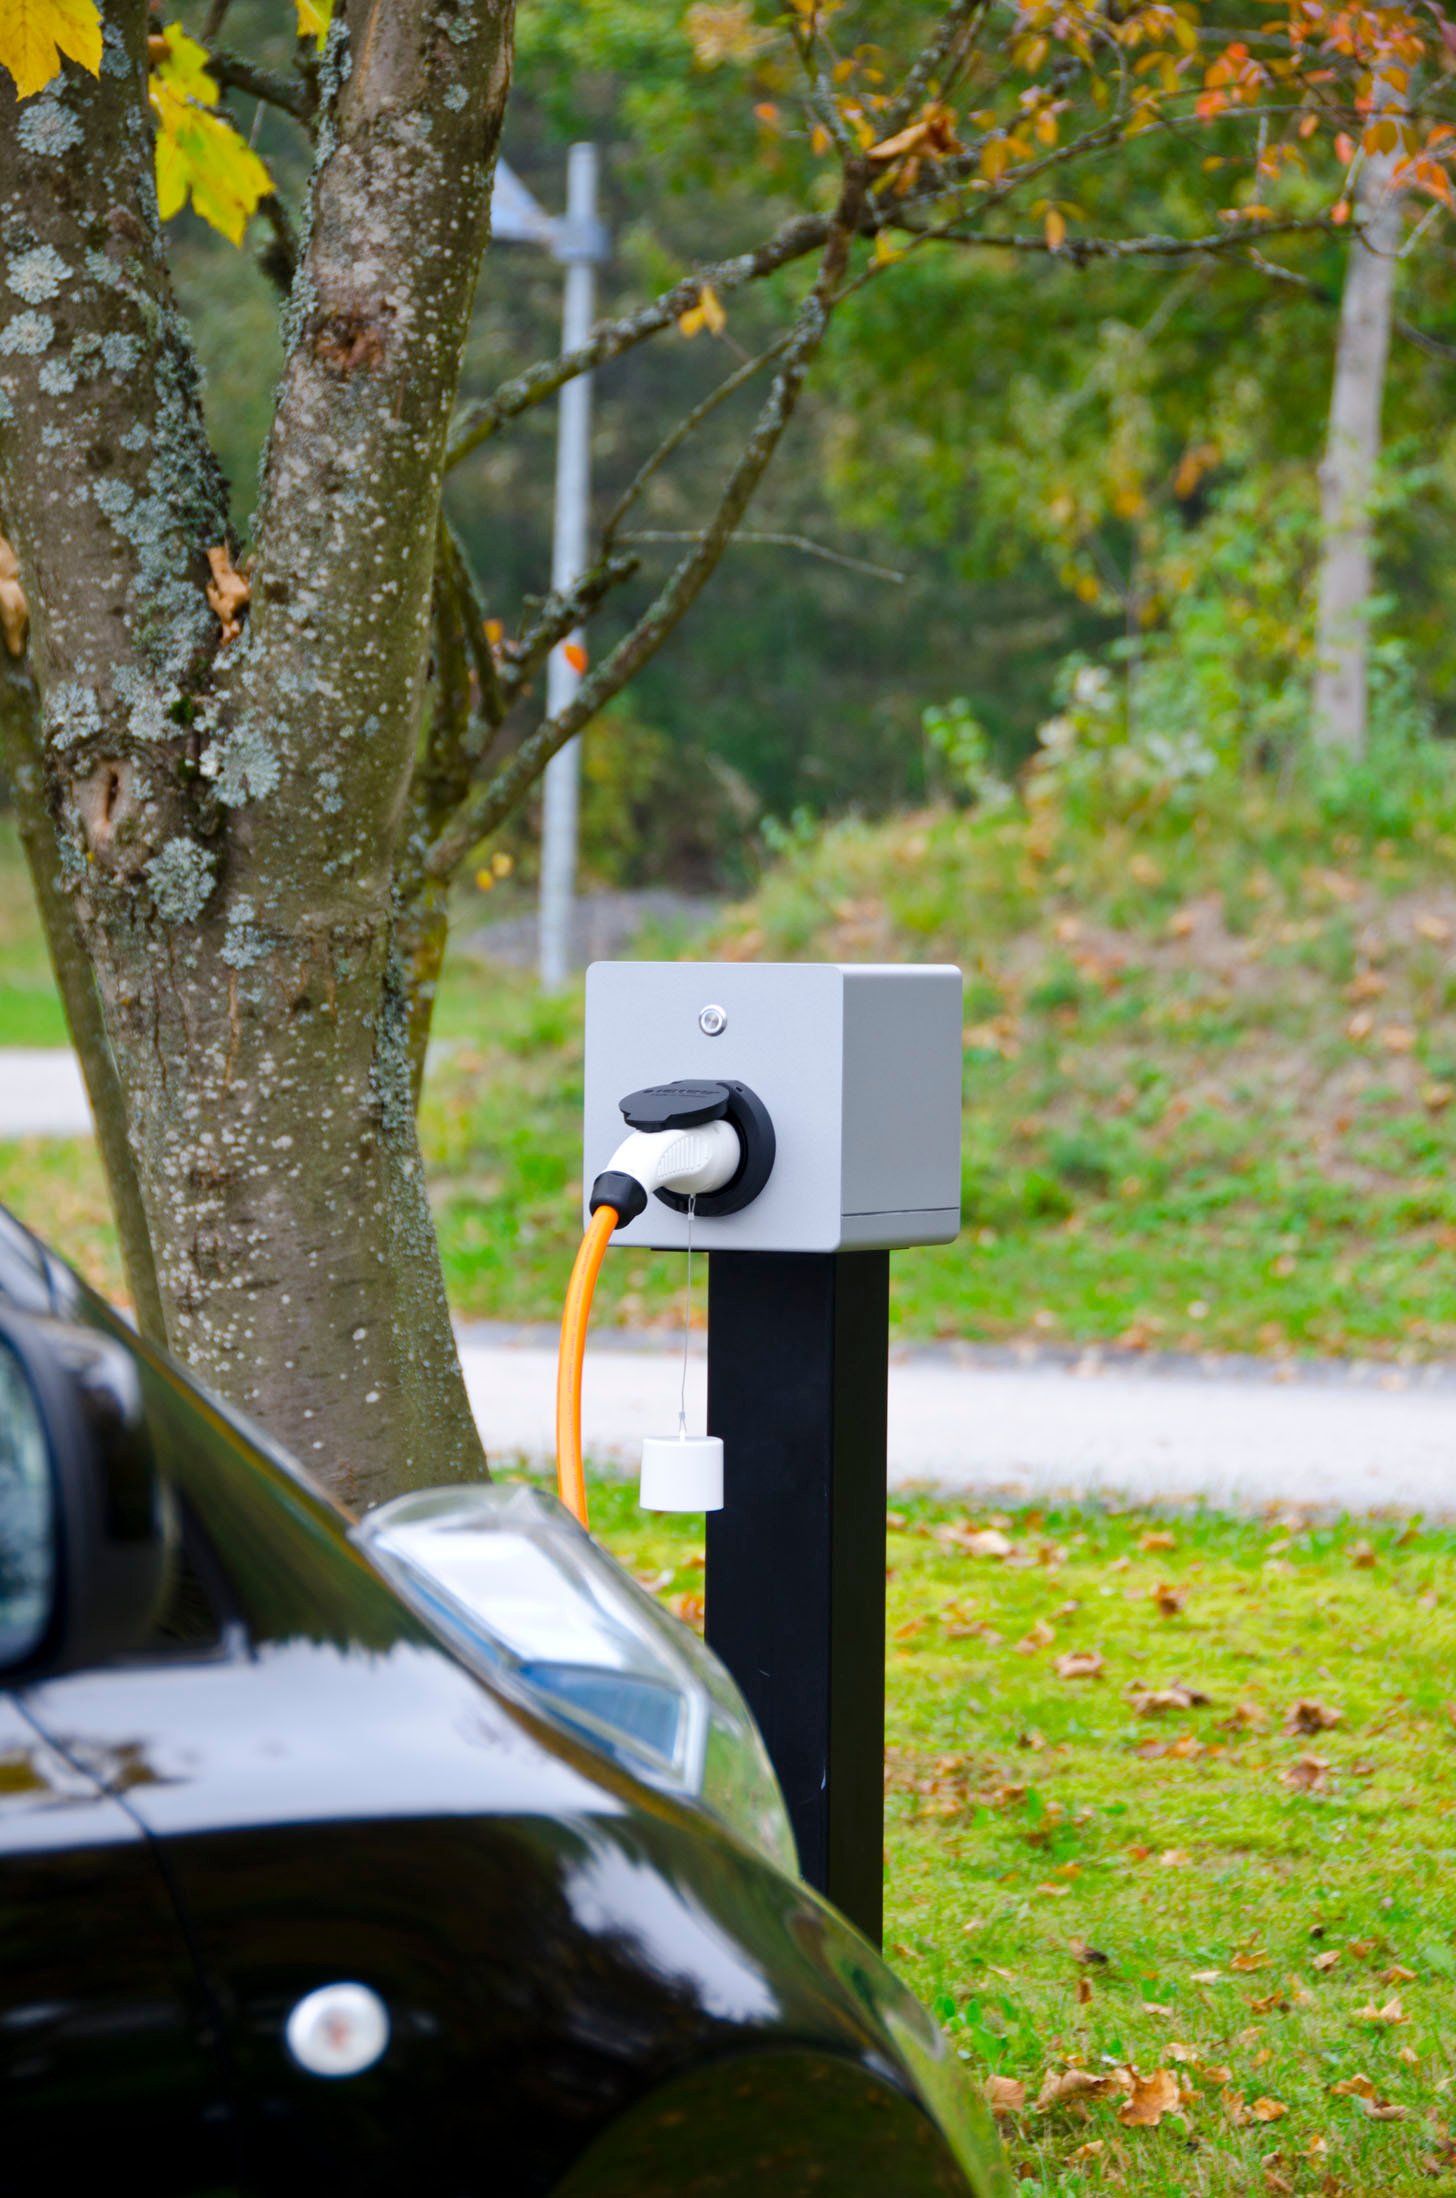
(239, 74)
(560, 614)
(802, 542)
(686, 426)
(806, 233)
(279, 259)
(931, 65)
(609, 339)
(1437, 346)
(450, 556)
(1081, 250)
(686, 583)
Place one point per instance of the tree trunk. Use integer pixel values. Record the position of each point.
(225, 812)
(1352, 454)
(20, 744)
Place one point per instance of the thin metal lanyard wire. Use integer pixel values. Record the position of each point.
(682, 1399)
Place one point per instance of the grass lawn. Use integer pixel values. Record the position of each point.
(1210, 1082)
(1252, 1890)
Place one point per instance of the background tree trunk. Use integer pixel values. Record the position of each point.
(1352, 456)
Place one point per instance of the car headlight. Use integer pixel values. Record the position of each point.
(518, 1589)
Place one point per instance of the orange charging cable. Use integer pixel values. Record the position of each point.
(570, 1479)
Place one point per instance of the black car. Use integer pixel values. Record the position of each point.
(307, 1873)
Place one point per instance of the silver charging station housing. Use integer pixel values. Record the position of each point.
(858, 1064)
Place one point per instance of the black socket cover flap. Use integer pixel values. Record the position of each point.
(680, 1106)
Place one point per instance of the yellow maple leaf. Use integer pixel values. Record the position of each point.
(199, 154)
(182, 64)
(314, 17)
(34, 34)
(707, 313)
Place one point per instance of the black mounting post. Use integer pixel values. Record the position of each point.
(797, 1378)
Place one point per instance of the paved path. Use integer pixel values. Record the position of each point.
(1346, 1438)
(41, 1094)
(1352, 1438)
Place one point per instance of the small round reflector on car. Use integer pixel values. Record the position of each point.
(339, 2030)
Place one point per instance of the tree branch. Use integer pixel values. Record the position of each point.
(239, 74)
(1079, 251)
(22, 744)
(686, 583)
(560, 614)
(609, 339)
(453, 564)
(1437, 346)
(686, 426)
(347, 523)
(476, 424)
(768, 540)
(930, 65)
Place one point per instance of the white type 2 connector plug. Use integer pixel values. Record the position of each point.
(690, 1162)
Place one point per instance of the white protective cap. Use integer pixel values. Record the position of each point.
(682, 1473)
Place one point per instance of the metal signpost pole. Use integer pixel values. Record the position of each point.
(578, 245)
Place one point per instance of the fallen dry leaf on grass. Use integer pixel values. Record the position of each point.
(1066, 2086)
(1396, 1975)
(1090, 2150)
(1327, 1961)
(1309, 1716)
(1253, 1959)
(1041, 1636)
(1156, 1701)
(1005, 2095)
(1361, 2088)
(1080, 1664)
(1311, 1775)
(1390, 2015)
(1168, 1597)
(1152, 2097)
(1363, 1555)
(1244, 1717)
(983, 1541)
(1268, 2110)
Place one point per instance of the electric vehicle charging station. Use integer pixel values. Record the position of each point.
(823, 1102)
